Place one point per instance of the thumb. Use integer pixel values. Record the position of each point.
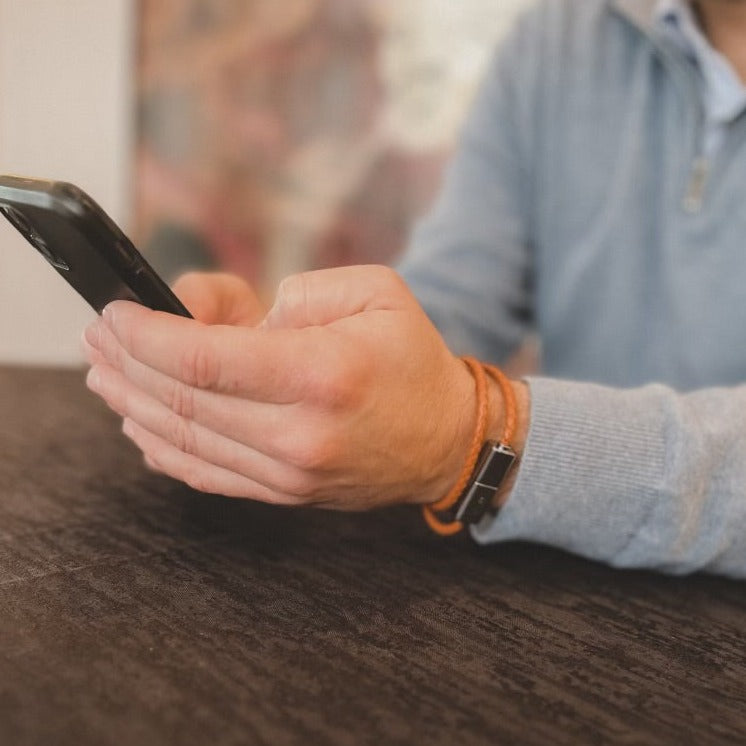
(219, 298)
(321, 297)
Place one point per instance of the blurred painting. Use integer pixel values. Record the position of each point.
(276, 136)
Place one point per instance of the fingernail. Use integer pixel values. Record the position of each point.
(93, 379)
(108, 315)
(93, 334)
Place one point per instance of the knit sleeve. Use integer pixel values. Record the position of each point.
(469, 262)
(642, 477)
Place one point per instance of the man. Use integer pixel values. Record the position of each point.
(597, 198)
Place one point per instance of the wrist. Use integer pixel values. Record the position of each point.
(483, 481)
(458, 423)
(495, 428)
(463, 425)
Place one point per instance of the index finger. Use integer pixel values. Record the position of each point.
(259, 364)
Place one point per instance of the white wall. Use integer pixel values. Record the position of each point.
(65, 113)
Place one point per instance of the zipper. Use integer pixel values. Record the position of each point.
(697, 188)
(703, 167)
(700, 170)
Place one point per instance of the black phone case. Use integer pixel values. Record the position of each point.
(83, 244)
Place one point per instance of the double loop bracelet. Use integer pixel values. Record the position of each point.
(487, 463)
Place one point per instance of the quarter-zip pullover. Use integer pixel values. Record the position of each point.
(579, 206)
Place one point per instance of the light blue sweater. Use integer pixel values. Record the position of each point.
(580, 206)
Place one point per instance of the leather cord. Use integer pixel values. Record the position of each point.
(479, 371)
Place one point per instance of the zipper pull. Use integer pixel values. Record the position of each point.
(695, 192)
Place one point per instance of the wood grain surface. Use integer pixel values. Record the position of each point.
(135, 611)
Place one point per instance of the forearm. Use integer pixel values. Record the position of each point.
(637, 478)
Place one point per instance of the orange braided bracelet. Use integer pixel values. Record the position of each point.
(477, 447)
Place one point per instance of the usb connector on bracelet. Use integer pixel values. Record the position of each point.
(493, 466)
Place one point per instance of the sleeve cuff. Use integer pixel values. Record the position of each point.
(592, 470)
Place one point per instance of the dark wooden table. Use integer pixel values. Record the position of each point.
(134, 611)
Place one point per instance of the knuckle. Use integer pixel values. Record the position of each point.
(111, 349)
(121, 402)
(389, 278)
(181, 435)
(391, 288)
(299, 487)
(195, 478)
(306, 456)
(314, 453)
(151, 460)
(387, 274)
(152, 463)
(200, 367)
(115, 395)
(155, 457)
(126, 340)
(181, 400)
(338, 384)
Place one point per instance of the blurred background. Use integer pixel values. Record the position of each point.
(260, 136)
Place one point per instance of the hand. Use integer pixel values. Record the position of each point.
(344, 395)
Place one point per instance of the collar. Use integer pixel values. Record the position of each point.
(726, 95)
(640, 12)
(675, 20)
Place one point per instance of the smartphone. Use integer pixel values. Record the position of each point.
(83, 244)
